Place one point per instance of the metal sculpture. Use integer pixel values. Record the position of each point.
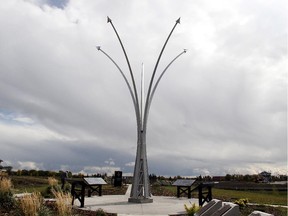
(140, 192)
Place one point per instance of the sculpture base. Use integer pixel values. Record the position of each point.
(140, 200)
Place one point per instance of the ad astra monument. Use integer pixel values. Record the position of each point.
(140, 192)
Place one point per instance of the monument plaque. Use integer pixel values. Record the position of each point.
(79, 186)
(184, 182)
(184, 186)
(94, 181)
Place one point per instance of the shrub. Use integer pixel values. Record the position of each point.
(5, 185)
(7, 200)
(100, 212)
(52, 181)
(53, 186)
(63, 203)
(31, 205)
(242, 202)
(191, 210)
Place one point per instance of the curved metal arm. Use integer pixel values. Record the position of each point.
(153, 75)
(156, 84)
(128, 84)
(127, 60)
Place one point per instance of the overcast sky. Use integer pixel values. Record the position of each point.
(220, 108)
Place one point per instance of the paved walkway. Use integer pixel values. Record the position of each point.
(119, 204)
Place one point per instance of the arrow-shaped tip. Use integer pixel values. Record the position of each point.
(178, 20)
(108, 19)
(185, 50)
(98, 47)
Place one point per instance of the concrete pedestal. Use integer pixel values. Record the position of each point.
(141, 200)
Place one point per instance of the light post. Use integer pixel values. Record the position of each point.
(140, 192)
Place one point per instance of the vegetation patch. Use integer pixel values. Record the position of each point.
(260, 197)
(7, 200)
(191, 210)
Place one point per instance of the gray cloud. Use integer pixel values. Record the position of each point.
(221, 108)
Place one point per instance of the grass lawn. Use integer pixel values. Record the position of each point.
(260, 197)
(22, 184)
